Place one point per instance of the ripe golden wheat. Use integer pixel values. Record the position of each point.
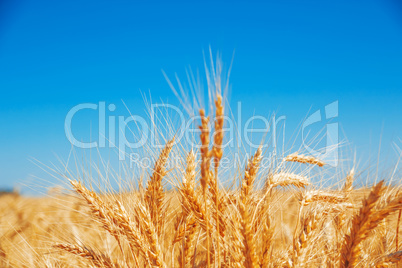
(287, 223)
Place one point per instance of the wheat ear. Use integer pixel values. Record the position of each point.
(267, 237)
(359, 231)
(295, 157)
(100, 211)
(154, 194)
(321, 196)
(397, 230)
(188, 246)
(151, 234)
(217, 154)
(247, 186)
(187, 185)
(114, 219)
(282, 179)
(186, 232)
(99, 260)
(341, 216)
(348, 187)
(285, 179)
(205, 171)
(389, 259)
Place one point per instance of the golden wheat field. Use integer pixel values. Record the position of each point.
(288, 222)
(200, 134)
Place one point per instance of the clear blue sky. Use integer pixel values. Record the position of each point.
(290, 56)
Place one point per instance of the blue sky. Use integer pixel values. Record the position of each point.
(291, 57)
